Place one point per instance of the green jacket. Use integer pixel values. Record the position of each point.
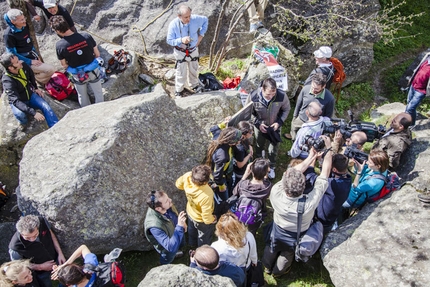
(156, 219)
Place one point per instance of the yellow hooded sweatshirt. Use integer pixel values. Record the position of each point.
(200, 204)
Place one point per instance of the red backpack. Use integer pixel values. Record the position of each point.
(59, 86)
(392, 183)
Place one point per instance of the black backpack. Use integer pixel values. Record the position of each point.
(210, 82)
(109, 274)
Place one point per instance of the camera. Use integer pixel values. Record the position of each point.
(341, 126)
(371, 130)
(353, 152)
(310, 142)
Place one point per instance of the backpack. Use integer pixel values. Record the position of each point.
(118, 63)
(338, 77)
(210, 82)
(59, 86)
(4, 196)
(248, 210)
(392, 183)
(109, 274)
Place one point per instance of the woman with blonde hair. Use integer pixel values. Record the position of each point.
(235, 243)
(17, 273)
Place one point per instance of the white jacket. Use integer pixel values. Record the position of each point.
(237, 256)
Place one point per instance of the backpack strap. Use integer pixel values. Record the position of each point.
(300, 211)
(380, 176)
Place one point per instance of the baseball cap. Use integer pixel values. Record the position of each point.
(323, 52)
(49, 3)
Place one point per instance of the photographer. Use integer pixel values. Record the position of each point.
(365, 185)
(284, 197)
(357, 138)
(397, 139)
(310, 131)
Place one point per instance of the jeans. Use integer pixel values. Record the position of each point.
(167, 257)
(199, 233)
(36, 102)
(414, 100)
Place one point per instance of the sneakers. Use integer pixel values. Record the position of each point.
(178, 95)
(179, 254)
(271, 174)
(424, 197)
(254, 27)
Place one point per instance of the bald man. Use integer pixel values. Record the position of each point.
(397, 139)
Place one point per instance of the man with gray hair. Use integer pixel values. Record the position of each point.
(18, 42)
(284, 197)
(322, 60)
(185, 34)
(314, 127)
(35, 240)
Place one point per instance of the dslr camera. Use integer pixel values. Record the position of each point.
(353, 152)
(310, 142)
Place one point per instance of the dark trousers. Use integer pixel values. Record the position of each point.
(199, 233)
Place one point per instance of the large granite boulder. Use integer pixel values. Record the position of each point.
(387, 243)
(173, 275)
(90, 173)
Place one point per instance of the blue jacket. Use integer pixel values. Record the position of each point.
(367, 187)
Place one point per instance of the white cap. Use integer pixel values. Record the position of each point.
(323, 52)
(49, 3)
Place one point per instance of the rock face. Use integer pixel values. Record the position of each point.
(387, 243)
(7, 230)
(173, 275)
(90, 173)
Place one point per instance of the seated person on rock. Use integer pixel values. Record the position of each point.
(35, 240)
(17, 273)
(284, 197)
(395, 141)
(20, 86)
(368, 181)
(339, 185)
(18, 42)
(206, 259)
(164, 228)
(313, 127)
(50, 8)
(70, 274)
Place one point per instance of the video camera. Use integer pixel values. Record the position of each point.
(310, 142)
(371, 130)
(353, 152)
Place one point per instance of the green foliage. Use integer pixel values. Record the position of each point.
(391, 79)
(353, 95)
(410, 37)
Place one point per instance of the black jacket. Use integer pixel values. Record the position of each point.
(17, 92)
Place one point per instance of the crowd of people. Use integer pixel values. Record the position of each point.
(227, 194)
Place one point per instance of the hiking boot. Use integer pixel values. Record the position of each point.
(179, 254)
(424, 197)
(271, 173)
(178, 95)
(198, 89)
